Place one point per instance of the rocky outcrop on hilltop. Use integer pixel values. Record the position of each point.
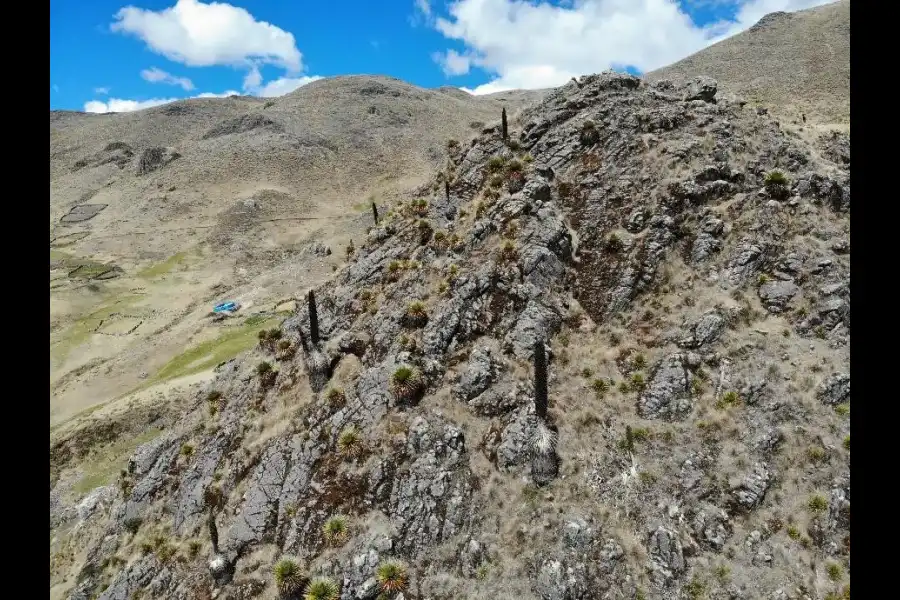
(674, 253)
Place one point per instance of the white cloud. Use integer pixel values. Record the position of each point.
(202, 35)
(101, 90)
(253, 79)
(222, 95)
(283, 85)
(533, 44)
(452, 62)
(278, 87)
(424, 7)
(156, 75)
(119, 105)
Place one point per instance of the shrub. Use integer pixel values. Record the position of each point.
(187, 449)
(392, 576)
(350, 442)
(815, 454)
(336, 397)
(514, 166)
(508, 252)
(589, 134)
(133, 524)
(452, 144)
(419, 207)
(775, 177)
(600, 387)
(284, 345)
(515, 181)
(847, 443)
(639, 362)
(496, 180)
(613, 243)
(842, 409)
(793, 532)
(405, 383)
(213, 396)
(637, 382)
(728, 399)
(416, 315)
(835, 572)
(263, 368)
(513, 145)
(496, 164)
(193, 548)
(336, 529)
(322, 588)
(817, 503)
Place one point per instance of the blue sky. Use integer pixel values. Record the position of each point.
(112, 55)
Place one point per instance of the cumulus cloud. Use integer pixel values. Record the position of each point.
(119, 105)
(283, 85)
(198, 34)
(277, 87)
(535, 44)
(452, 62)
(156, 75)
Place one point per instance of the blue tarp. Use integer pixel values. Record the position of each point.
(225, 307)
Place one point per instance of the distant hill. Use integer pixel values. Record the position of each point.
(789, 62)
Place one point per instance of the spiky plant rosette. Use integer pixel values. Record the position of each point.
(350, 442)
(322, 588)
(392, 576)
(336, 529)
(416, 315)
(405, 382)
(288, 576)
(544, 439)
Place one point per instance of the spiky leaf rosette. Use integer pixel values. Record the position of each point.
(289, 577)
(392, 576)
(544, 461)
(336, 529)
(350, 442)
(416, 314)
(405, 383)
(540, 380)
(322, 588)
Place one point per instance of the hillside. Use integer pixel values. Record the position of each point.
(792, 63)
(674, 263)
(157, 215)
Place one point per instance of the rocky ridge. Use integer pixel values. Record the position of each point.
(686, 294)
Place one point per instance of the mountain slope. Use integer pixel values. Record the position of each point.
(696, 312)
(791, 62)
(202, 200)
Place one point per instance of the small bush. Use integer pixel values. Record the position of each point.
(194, 549)
(815, 454)
(600, 387)
(624, 387)
(727, 400)
(263, 368)
(515, 181)
(589, 134)
(322, 588)
(637, 382)
(508, 252)
(213, 396)
(416, 314)
(496, 164)
(289, 578)
(842, 409)
(613, 243)
(405, 383)
(835, 572)
(133, 524)
(817, 503)
(514, 166)
(775, 178)
(392, 576)
(793, 532)
(639, 362)
(187, 449)
(452, 144)
(336, 397)
(336, 529)
(496, 180)
(847, 443)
